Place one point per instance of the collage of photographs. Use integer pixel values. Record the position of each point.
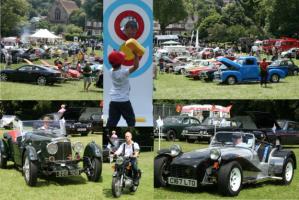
(149, 99)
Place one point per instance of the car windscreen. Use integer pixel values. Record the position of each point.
(233, 139)
(172, 120)
(41, 126)
(276, 63)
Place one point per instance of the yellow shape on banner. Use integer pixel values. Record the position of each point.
(140, 119)
(135, 46)
(127, 51)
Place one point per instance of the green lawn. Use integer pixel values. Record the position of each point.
(145, 189)
(171, 86)
(31, 91)
(262, 190)
(13, 186)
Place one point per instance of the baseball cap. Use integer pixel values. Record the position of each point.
(116, 57)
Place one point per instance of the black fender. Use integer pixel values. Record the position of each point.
(32, 153)
(3, 148)
(93, 150)
(285, 154)
(245, 164)
(165, 152)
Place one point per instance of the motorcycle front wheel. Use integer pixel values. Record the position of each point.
(116, 187)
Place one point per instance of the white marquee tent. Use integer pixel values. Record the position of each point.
(44, 34)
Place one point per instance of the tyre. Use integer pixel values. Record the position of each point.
(134, 188)
(41, 80)
(3, 77)
(287, 172)
(161, 172)
(230, 178)
(116, 187)
(231, 80)
(3, 161)
(30, 171)
(171, 135)
(190, 140)
(275, 78)
(295, 73)
(96, 170)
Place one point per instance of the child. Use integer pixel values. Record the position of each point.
(120, 104)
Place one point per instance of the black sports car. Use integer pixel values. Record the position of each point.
(32, 73)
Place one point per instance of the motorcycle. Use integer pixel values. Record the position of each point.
(123, 176)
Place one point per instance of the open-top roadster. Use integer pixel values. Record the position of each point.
(232, 159)
(41, 148)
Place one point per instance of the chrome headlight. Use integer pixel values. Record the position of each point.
(78, 147)
(119, 160)
(185, 131)
(175, 150)
(52, 148)
(215, 154)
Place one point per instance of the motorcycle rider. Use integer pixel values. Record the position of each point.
(130, 149)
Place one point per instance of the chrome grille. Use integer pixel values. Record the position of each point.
(64, 150)
(182, 172)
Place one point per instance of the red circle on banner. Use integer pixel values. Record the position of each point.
(121, 16)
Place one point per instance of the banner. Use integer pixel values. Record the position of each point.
(116, 14)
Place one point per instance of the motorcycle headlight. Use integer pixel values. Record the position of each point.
(175, 150)
(119, 160)
(215, 154)
(78, 147)
(52, 148)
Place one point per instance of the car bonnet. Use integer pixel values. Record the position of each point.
(227, 62)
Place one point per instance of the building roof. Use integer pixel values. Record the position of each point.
(69, 6)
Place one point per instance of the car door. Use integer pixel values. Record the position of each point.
(250, 69)
(23, 73)
(185, 123)
(36, 72)
(292, 133)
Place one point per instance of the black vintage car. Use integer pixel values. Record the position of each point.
(32, 73)
(232, 159)
(39, 148)
(293, 69)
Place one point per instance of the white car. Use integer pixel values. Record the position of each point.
(182, 69)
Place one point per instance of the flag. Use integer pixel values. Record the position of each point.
(159, 122)
(274, 128)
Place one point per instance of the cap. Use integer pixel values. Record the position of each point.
(116, 57)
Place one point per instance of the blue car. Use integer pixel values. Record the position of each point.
(246, 69)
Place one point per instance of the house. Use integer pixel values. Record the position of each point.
(61, 11)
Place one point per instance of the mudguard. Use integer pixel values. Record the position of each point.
(245, 164)
(3, 148)
(164, 152)
(93, 150)
(280, 72)
(283, 153)
(236, 74)
(32, 153)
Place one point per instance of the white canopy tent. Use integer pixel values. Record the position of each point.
(170, 42)
(44, 34)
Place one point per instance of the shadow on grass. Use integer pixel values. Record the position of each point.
(108, 193)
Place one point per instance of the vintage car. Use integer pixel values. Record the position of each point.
(206, 53)
(182, 69)
(32, 73)
(246, 69)
(291, 53)
(232, 159)
(289, 64)
(204, 65)
(45, 151)
(174, 125)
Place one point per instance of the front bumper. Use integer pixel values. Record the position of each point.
(56, 79)
(62, 168)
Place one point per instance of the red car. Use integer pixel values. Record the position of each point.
(195, 72)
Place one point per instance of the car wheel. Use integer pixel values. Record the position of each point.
(231, 80)
(30, 171)
(275, 78)
(295, 73)
(116, 187)
(171, 135)
(3, 77)
(288, 172)
(96, 170)
(161, 171)
(230, 179)
(3, 161)
(41, 80)
(190, 140)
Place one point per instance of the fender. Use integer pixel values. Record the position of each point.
(93, 150)
(246, 164)
(165, 152)
(285, 154)
(3, 148)
(32, 153)
(226, 74)
(280, 72)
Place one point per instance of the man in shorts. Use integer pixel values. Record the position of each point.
(87, 76)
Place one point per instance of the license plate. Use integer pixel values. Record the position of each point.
(182, 182)
(81, 129)
(65, 173)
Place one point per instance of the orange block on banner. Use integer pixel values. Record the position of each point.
(140, 119)
(135, 46)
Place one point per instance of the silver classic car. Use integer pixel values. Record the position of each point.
(232, 159)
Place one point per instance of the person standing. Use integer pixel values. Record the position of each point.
(264, 72)
(87, 76)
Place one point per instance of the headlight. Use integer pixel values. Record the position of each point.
(78, 147)
(119, 161)
(185, 131)
(89, 125)
(215, 154)
(52, 148)
(175, 150)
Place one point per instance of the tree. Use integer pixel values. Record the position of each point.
(12, 16)
(208, 22)
(94, 9)
(78, 2)
(77, 17)
(73, 29)
(169, 12)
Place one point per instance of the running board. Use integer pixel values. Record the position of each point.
(262, 179)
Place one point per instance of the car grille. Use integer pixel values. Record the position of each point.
(182, 172)
(64, 150)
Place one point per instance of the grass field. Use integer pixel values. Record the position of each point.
(171, 86)
(13, 186)
(31, 91)
(145, 189)
(262, 190)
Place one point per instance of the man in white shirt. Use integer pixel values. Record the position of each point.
(130, 149)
